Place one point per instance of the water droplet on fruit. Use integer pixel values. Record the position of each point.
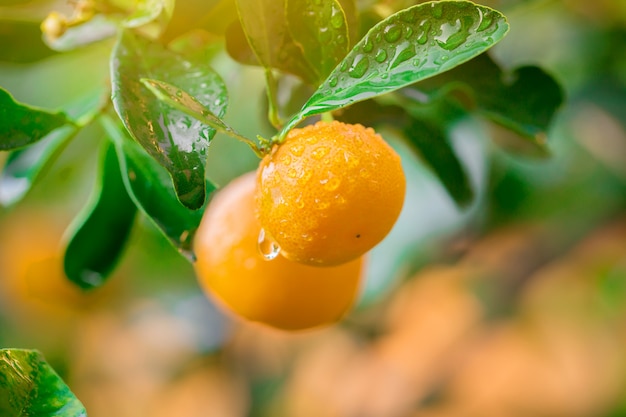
(267, 247)
(332, 184)
(285, 159)
(319, 153)
(292, 173)
(392, 33)
(297, 149)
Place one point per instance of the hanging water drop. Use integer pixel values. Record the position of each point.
(267, 247)
(368, 45)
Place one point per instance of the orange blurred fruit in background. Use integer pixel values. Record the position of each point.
(280, 293)
(330, 192)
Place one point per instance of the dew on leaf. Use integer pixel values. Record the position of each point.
(437, 10)
(368, 45)
(404, 53)
(381, 55)
(333, 81)
(336, 18)
(359, 66)
(392, 33)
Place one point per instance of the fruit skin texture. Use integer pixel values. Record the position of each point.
(330, 192)
(279, 293)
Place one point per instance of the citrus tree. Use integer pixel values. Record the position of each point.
(328, 189)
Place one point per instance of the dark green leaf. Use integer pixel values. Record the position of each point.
(30, 387)
(150, 187)
(22, 125)
(175, 140)
(265, 25)
(22, 42)
(431, 141)
(101, 231)
(524, 101)
(237, 45)
(409, 46)
(320, 28)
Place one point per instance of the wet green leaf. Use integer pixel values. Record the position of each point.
(320, 28)
(100, 232)
(264, 23)
(409, 46)
(175, 140)
(431, 140)
(150, 186)
(22, 42)
(524, 100)
(30, 387)
(22, 125)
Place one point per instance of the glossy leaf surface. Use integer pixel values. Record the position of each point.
(409, 46)
(22, 125)
(320, 28)
(102, 229)
(524, 101)
(30, 387)
(175, 140)
(150, 186)
(264, 23)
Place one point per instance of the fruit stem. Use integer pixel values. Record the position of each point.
(272, 112)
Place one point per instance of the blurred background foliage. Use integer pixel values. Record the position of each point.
(515, 305)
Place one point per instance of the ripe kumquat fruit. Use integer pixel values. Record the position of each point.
(280, 293)
(329, 193)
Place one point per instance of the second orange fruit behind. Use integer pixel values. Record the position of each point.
(279, 293)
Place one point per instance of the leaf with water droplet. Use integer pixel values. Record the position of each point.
(99, 232)
(30, 387)
(448, 24)
(264, 23)
(321, 30)
(524, 101)
(22, 125)
(150, 187)
(175, 140)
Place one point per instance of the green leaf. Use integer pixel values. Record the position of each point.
(524, 100)
(264, 23)
(101, 230)
(175, 140)
(30, 387)
(431, 140)
(22, 42)
(320, 28)
(22, 125)
(150, 187)
(24, 166)
(409, 46)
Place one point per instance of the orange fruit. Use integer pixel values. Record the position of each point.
(279, 293)
(330, 192)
